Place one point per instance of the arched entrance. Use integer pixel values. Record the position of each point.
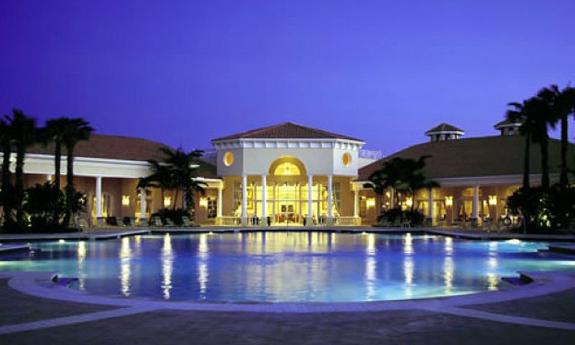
(287, 189)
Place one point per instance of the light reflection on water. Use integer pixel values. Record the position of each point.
(286, 266)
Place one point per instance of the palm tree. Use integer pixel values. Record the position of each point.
(518, 114)
(159, 178)
(533, 114)
(73, 130)
(24, 133)
(177, 171)
(7, 187)
(401, 175)
(565, 107)
(559, 104)
(385, 178)
(541, 108)
(54, 131)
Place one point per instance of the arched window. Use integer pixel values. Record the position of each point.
(287, 169)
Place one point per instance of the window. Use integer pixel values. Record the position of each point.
(212, 208)
(346, 159)
(228, 158)
(287, 169)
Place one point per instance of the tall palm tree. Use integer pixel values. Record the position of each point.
(518, 114)
(25, 133)
(7, 187)
(54, 131)
(542, 108)
(73, 130)
(559, 104)
(565, 107)
(533, 114)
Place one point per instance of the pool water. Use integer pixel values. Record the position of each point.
(286, 266)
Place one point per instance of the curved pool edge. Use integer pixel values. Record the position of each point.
(39, 284)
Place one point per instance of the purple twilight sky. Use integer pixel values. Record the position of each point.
(184, 72)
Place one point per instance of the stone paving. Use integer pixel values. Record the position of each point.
(205, 327)
(18, 308)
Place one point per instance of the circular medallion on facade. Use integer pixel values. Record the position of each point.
(228, 158)
(346, 159)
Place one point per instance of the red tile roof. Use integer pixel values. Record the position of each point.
(121, 148)
(111, 147)
(286, 130)
(472, 157)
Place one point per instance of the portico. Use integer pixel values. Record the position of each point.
(288, 175)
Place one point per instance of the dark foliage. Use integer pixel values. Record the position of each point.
(175, 215)
(396, 216)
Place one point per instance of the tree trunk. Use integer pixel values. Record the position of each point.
(545, 164)
(19, 185)
(526, 162)
(69, 185)
(176, 194)
(57, 163)
(6, 181)
(564, 179)
(57, 174)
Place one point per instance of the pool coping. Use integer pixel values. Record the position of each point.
(118, 233)
(41, 284)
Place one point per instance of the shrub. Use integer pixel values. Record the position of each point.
(397, 215)
(544, 210)
(44, 204)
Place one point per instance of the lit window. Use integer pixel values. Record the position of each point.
(228, 158)
(287, 169)
(346, 159)
(370, 202)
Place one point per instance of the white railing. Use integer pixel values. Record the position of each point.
(228, 221)
(348, 221)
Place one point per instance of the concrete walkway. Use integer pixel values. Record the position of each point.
(26, 318)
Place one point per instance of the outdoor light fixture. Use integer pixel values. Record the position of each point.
(492, 200)
(125, 200)
(449, 201)
(203, 202)
(167, 201)
(370, 202)
(409, 202)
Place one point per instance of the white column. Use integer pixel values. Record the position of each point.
(475, 204)
(99, 197)
(220, 202)
(244, 199)
(329, 198)
(309, 200)
(264, 200)
(356, 203)
(430, 205)
(143, 205)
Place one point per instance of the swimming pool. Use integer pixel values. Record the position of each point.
(286, 266)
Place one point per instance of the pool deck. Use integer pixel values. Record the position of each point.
(34, 309)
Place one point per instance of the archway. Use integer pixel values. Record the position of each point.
(287, 191)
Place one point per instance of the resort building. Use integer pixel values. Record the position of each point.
(288, 174)
(476, 175)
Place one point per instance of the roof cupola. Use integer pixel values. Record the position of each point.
(508, 127)
(444, 132)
